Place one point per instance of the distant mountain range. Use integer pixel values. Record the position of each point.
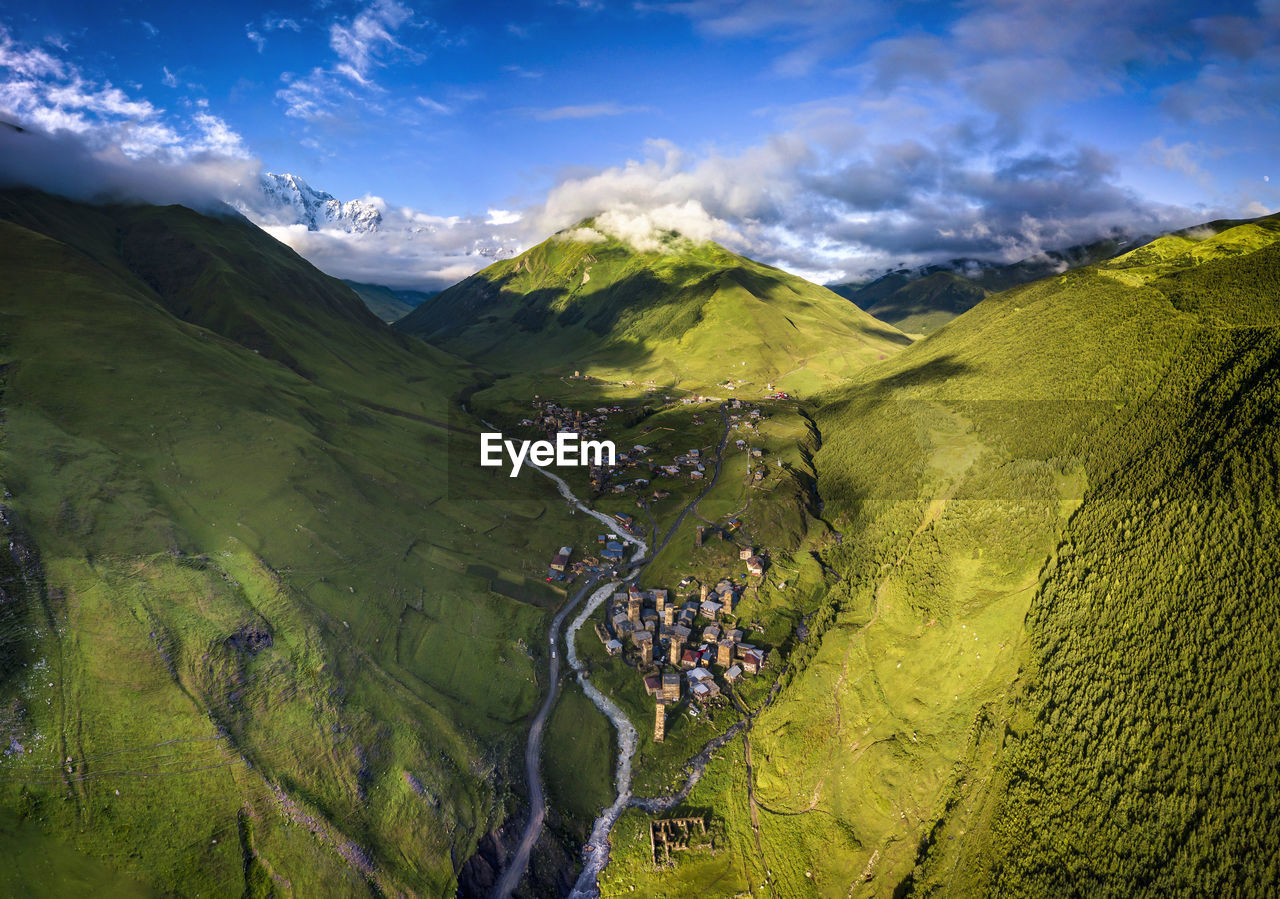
(388, 303)
(920, 300)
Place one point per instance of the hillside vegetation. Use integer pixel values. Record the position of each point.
(260, 635)
(922, 300)
(1047, 667)
(690, 315)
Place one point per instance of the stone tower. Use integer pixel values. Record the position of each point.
(724, 653)
(646, 650)
(659, 723)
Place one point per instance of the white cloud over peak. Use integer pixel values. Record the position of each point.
(502, 217)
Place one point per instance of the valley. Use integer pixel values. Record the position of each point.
(266, 613)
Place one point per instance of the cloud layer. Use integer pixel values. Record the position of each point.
(952, 134)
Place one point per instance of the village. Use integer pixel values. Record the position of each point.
(674, 642)
(686, 647)
(635, 471)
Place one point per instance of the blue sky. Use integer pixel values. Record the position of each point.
(829, 137)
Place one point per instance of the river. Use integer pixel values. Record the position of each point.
(596, 855)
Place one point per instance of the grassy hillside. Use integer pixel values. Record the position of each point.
(260, 634)
(925, 305)
(692, 316)
(1046, 668)
(919, 301)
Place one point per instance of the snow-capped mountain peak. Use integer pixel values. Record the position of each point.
(290, 197)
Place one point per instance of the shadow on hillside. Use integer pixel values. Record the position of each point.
(932, 372)
(892, 336)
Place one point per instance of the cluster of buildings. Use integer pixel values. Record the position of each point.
(563, 567)
(552, 418)
(676, 644)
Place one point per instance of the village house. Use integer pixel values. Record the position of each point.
(755, 566)
(560, 560)
(732, 675)
(746, 553)
(613, 647)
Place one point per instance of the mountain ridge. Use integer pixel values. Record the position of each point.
(601, 305)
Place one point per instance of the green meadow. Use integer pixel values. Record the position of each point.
(292, 643)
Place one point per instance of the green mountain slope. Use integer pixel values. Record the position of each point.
(919, 301)
(260, 634)
(387, 304)
(1046, 668)
(924, 305)
(691, 315)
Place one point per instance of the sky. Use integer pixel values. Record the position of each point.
(835, 139)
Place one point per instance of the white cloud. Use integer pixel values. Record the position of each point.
(313, 96)
(646, 229)
(502, 217)
(64, 163)
(426, 256)
(170, 79)
(280, 23)
(584, 111)
(434, 106)
(521, 72)
(369, 36)
(29, 62)
(361, 44)
(53, 95)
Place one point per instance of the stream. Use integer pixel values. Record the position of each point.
(596, 853)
